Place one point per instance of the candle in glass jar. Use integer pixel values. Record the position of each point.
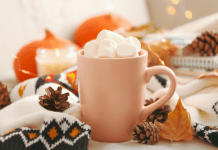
(54, 61)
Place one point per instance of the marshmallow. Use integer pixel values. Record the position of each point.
(91, 48)
(107, 49)
(106, 34)
(127, 50)
(133, 41)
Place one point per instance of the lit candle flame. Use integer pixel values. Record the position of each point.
(57, 52)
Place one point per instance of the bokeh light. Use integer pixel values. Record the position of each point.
(188, 14)
(175, 2)
(171, 10)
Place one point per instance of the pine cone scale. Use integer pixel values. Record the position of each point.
(197, 49)
(60, 89)
(207, 38)
(64, 96)
(213, 44)
(149, 133)
(165, 109)
(4, 96)
(159, 117)
(138, 131)
(200, 38)
(194, 44)
(205, 44)
(201, 44)
(216, 49)
(216, 38)
(48, 92)
(142, 136)
(54, 100)
(57, 102)
(161, 114)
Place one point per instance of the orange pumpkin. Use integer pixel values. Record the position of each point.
(89, 29)
(25, 64)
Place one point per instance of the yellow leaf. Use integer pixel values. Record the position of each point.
(178, 126)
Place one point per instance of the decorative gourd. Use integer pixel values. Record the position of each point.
(89, 29)
(24, 62)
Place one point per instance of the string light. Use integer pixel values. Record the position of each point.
(14, 56)
(175, 2)
(24, 71)
(27, 72)
(171, 10)
(188, 14)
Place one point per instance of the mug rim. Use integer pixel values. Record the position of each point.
(145, 53)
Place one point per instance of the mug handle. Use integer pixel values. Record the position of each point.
(146, 111)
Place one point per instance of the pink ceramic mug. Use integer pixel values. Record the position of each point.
(112, 94)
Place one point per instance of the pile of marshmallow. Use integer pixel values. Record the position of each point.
(109, 44)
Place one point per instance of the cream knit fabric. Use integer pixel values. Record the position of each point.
(27, 112)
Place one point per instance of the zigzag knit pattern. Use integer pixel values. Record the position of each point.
(161, 80)
(55, 134)
(207, 133)
(215, 108)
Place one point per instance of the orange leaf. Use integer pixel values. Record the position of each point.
(177, 127)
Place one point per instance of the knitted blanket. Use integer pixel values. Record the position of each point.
(199, 97)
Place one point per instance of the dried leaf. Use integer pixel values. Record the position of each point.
(177, 127)
(159, 52)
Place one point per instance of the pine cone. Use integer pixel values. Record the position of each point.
(160, 114)
(147, 133)
(205, 44)
(4, 96)
(54, 100)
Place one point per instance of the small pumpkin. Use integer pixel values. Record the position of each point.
(25, 65)
(89, 29)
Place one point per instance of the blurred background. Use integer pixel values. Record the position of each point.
(172, 13)
(23, 21)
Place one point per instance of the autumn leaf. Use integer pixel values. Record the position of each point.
(177, 127)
